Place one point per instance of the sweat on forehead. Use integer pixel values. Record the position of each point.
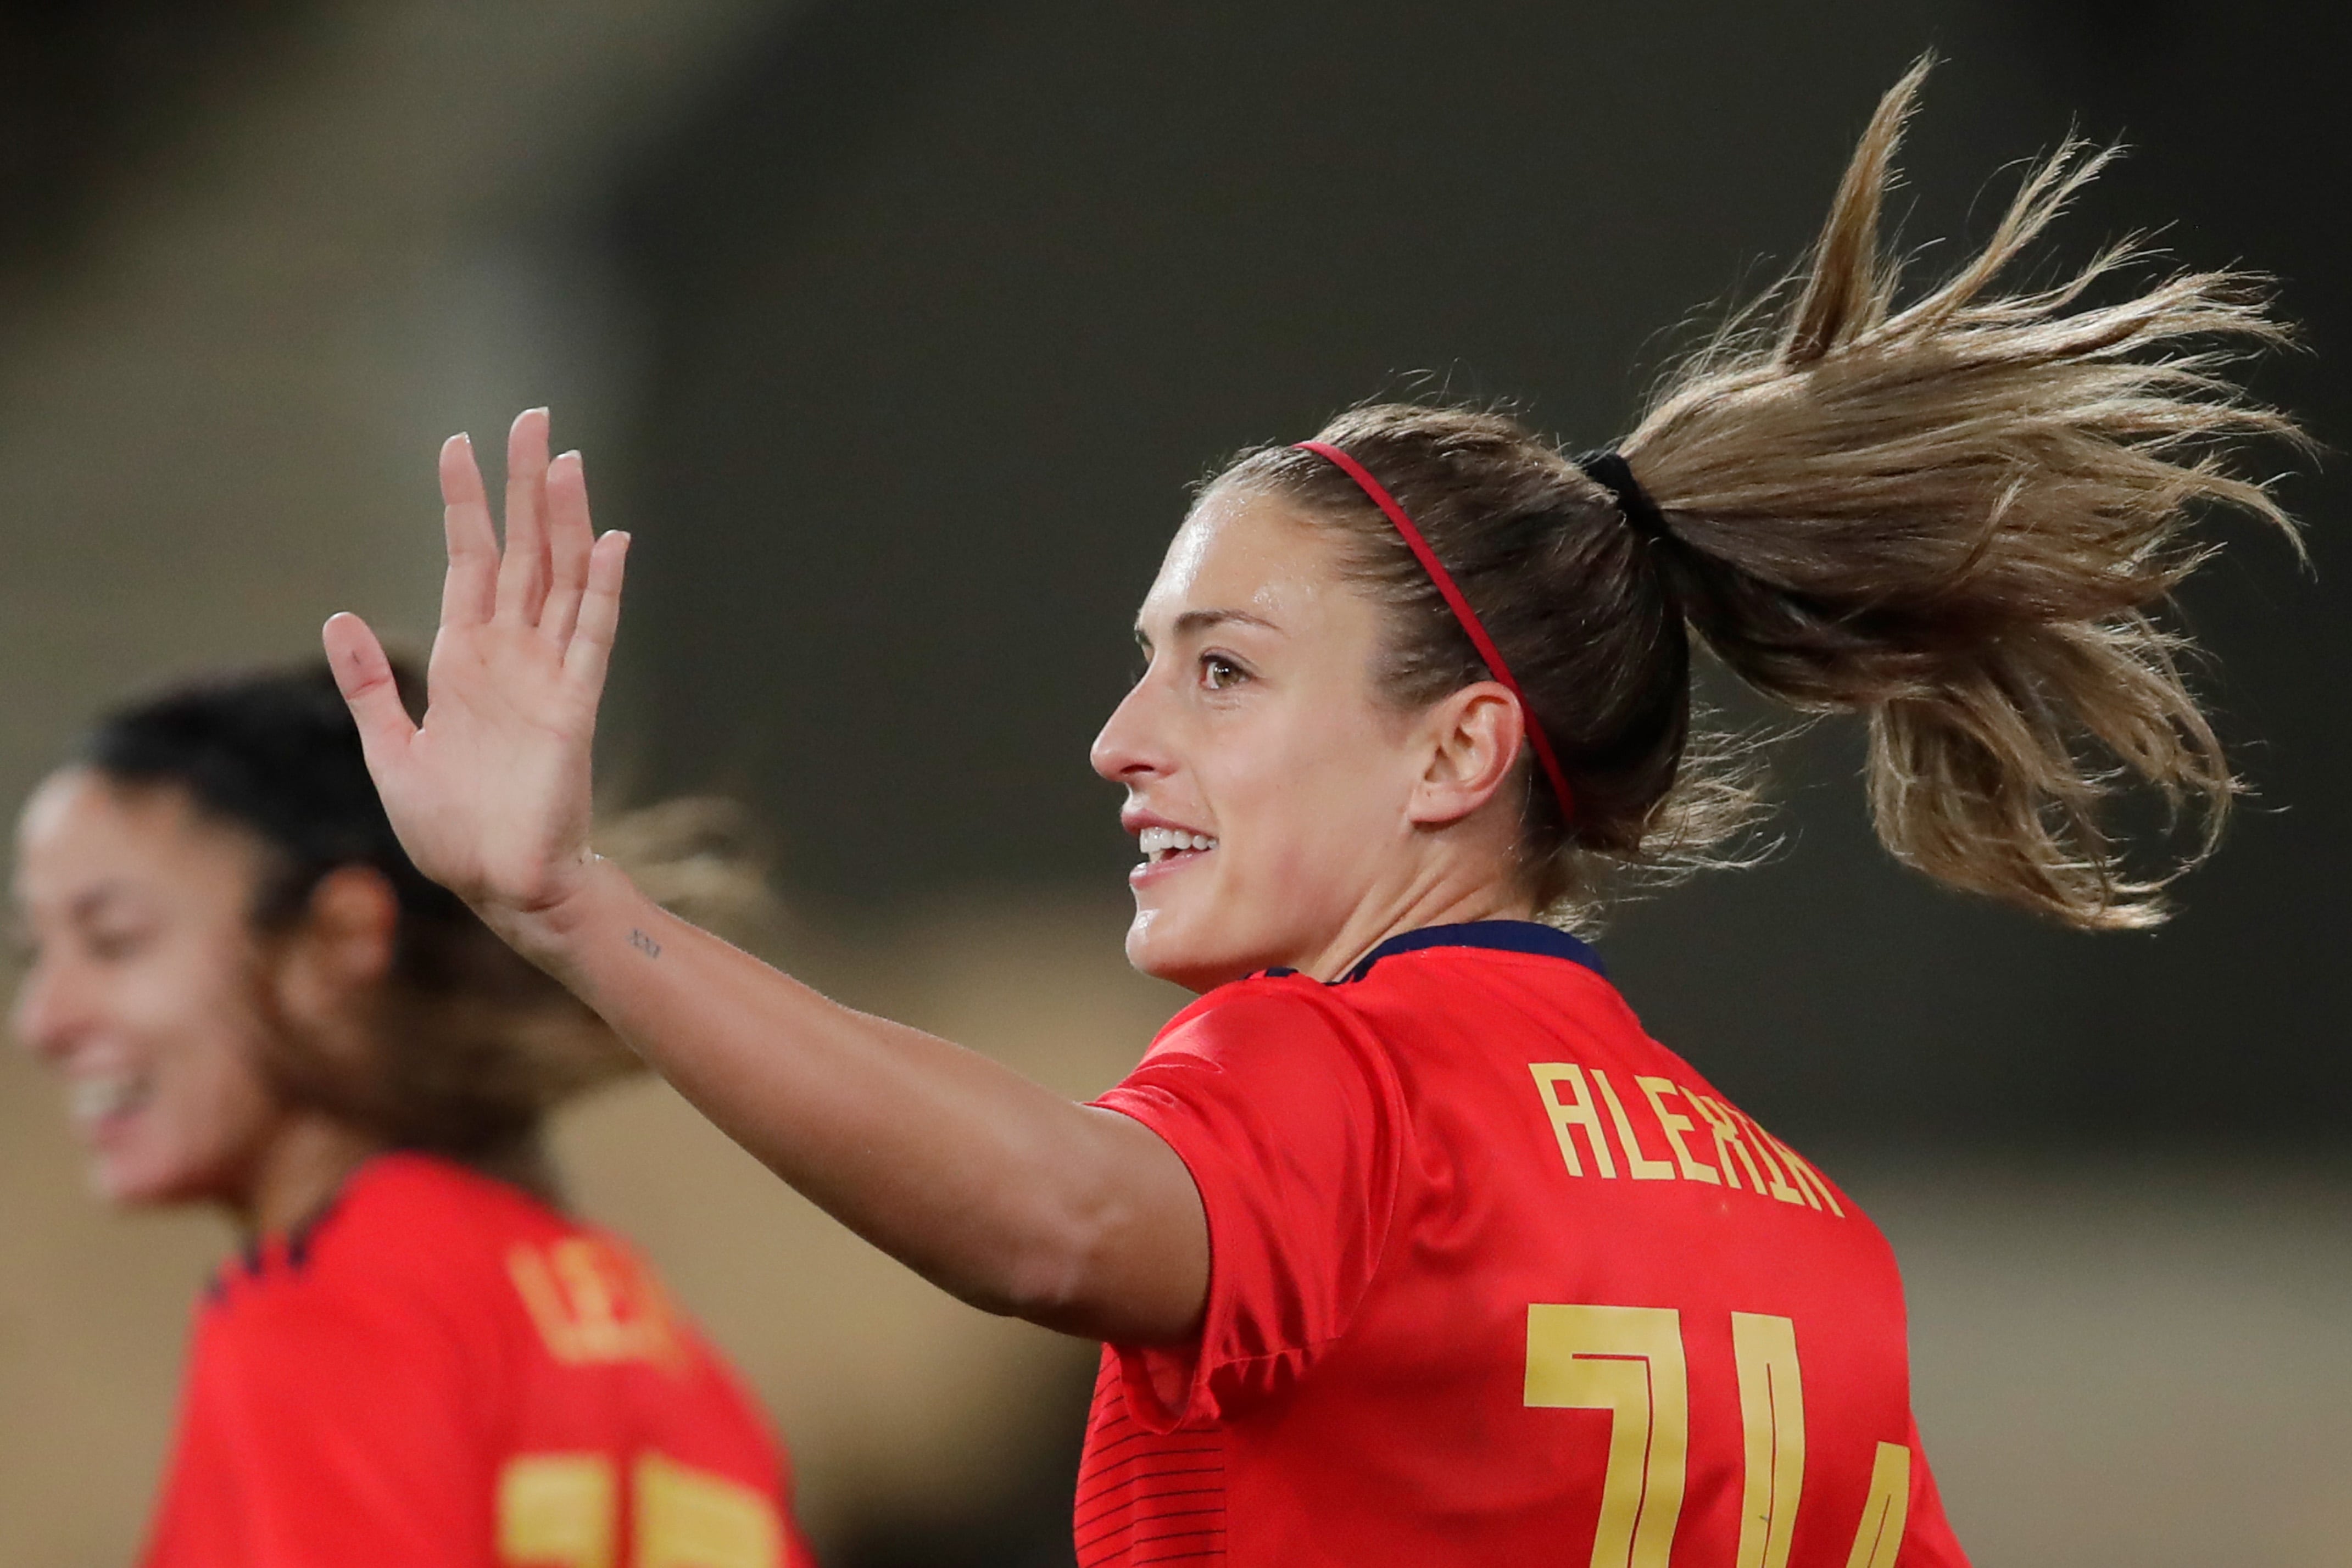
(1243, 549)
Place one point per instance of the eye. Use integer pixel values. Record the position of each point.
(115, 944)
(1219, 672)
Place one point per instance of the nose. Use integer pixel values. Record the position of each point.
(49, 1014)
(1123, 752)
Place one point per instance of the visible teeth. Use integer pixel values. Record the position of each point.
(96, 1099)
(1159, 843)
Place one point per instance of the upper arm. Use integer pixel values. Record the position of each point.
(1145, 1261)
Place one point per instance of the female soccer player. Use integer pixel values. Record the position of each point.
(1407, 1245)
(258, 1004)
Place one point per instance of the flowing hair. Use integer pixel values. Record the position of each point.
(1960, 514)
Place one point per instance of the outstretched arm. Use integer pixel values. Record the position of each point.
(997, 1190)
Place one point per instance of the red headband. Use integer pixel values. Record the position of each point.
(1462, 613)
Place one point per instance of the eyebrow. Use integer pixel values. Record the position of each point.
(16, 920)
(1193, 621)
(89, 900)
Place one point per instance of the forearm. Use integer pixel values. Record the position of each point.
(1011, 1197)
(995, 1188)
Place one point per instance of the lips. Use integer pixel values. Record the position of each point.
(96, 1101)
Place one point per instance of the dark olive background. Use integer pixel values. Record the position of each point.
(948, 305)
(896, 347)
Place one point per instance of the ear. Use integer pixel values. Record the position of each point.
(1474, 737)
(344, 945)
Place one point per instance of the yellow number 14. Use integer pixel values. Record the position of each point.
(1629, 1362)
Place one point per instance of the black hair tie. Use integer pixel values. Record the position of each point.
(1609, 469)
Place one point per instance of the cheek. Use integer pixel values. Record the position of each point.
(1298, 848)
(209, 1102)
(1304, 813)
(1322, 792)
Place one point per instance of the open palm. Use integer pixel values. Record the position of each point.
(491, 794)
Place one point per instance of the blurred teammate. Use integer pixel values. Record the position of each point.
(420, 1359)
(1409, 1245)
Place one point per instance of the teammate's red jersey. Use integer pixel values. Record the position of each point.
(1496, 1279)
(445, 1371)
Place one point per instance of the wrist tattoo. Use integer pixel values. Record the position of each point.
(644, 944)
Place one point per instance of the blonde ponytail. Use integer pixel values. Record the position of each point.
(1961, 518)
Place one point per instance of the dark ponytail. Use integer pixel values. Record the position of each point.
(1957, 517)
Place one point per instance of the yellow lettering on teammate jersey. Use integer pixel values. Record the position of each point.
(1629, 1362)
(1772, 1418)
(1576, 1112)
(593, 1303)
(563, 1511)
(1641, 1166)
(691, 1518)
(1883, 1513)
(1655, 1089)
(557, 1511)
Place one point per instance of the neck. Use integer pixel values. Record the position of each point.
(298, 1170)
(1439, 901)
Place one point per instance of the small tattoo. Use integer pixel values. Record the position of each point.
(644, 944)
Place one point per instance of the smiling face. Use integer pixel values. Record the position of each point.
(140, 986)
(1286, 813)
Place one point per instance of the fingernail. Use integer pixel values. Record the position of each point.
(573, 455)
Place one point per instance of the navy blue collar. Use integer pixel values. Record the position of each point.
(1502, 936)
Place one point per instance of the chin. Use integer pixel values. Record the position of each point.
(1165, 946)
(120, 1188)
(150, 1180)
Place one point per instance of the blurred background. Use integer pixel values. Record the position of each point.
(895, 332)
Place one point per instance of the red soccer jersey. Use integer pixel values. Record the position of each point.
(444, 1371)
(1496, 1279)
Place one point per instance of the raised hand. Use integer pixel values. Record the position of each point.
(491, 794)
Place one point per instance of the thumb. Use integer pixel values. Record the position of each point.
(364, 677)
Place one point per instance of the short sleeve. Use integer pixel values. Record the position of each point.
(1927, 1538)
(341, 1432)
(1285, 1110)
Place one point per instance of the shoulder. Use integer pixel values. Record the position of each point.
(419, 1221)
(1274, 1059)
(416, 1189)
(412, 1246)
(1273, 999)
(570, 1290)
(1277, 1024)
